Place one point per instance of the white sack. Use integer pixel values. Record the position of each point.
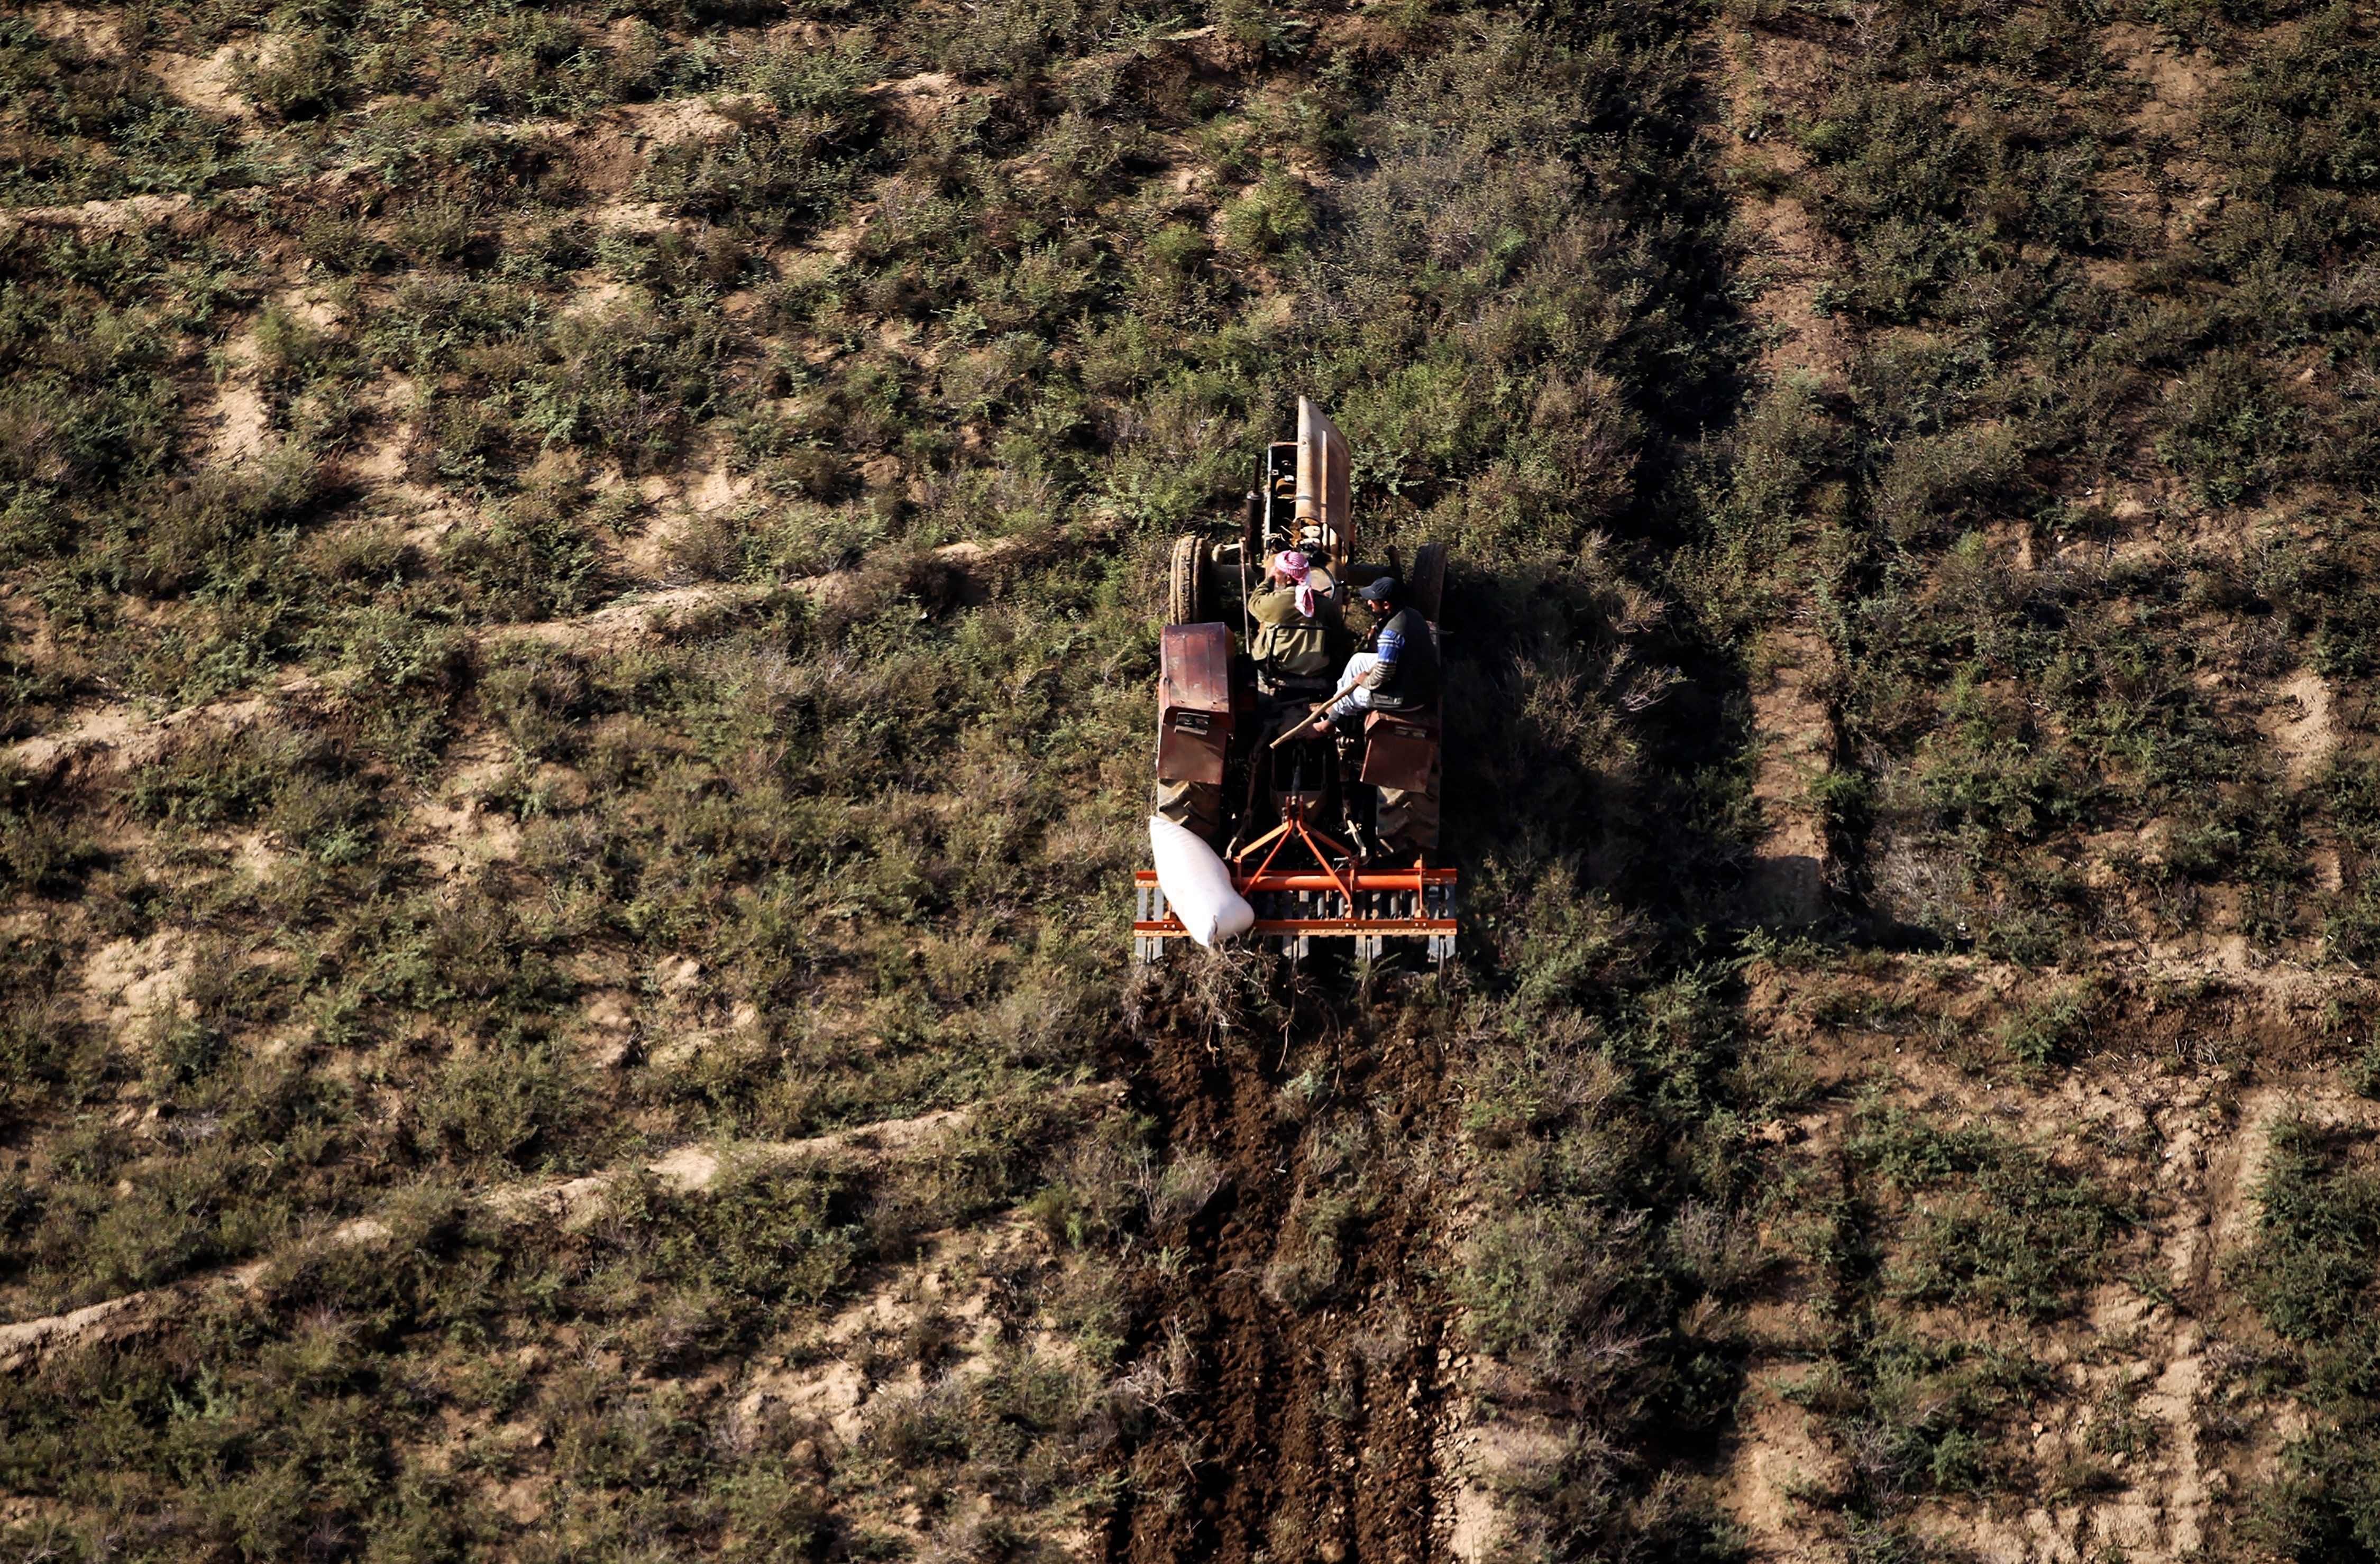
(1196, 885)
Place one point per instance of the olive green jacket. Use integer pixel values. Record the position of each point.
(1288, 642)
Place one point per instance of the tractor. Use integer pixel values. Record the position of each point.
(1326, 836)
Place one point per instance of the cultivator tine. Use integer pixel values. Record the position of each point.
(1150, 912)
(1296, 906)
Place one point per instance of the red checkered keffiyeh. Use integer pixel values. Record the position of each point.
(1292, 564)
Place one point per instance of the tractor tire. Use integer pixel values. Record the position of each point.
(1187, 598)
(1406, 821)
(1427, 581)
(1196, 806)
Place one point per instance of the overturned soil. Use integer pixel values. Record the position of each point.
(1316, 1427)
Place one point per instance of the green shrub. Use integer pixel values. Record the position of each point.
(296, 76)
(2001, 1226)
(2230, 431)
(2043, 1032)
(512, 1104)
(70, 109)
(2318, 1232)
(1269, 218)
(534, 561)
(2311, 1275)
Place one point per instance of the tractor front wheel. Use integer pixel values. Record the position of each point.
(1185, 582)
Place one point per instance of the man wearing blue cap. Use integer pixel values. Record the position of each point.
(1400, 672)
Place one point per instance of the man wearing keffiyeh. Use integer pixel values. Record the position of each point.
(1294, 610)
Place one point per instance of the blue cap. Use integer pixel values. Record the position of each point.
(1387, 589)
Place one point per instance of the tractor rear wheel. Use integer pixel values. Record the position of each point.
(1195, 806)
(1429, 579)
(1406, 821)
(1185, 582)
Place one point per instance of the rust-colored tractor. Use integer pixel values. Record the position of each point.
(1326, 837)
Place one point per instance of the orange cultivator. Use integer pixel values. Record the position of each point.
(1372, 906)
